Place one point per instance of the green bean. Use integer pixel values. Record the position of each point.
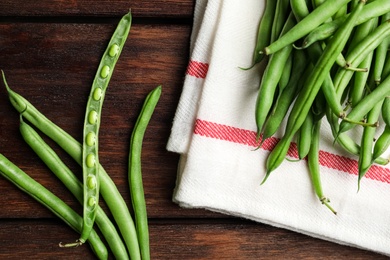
(365, 105)
(306, 25)
(382, 143)
(341, 12)
(135, 172)
(108, 189)
(90, 155)
(57, 166)
(380, 55)
(360, 81)
(270, 80)
(370, 10)
(358, 54)
(310, 89)
(304, 136)
(25, 183)
(367, 142)
(386, 67)
(320, 33)
(313, 163)
(317, 3)
(345, 141)
(281, 12)
(300, 70)
(286, 74)
(386, 111)
(264, 31)
(300, 9)
(314, 52)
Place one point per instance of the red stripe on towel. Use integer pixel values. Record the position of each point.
(248, 137)
(197, 69)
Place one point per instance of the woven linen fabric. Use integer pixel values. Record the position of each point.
(220, 168)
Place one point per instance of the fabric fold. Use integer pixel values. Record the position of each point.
(220, 168)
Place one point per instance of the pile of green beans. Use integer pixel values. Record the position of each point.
(339, 73)
(132, 240)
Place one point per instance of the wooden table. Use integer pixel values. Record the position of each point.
(49, 51)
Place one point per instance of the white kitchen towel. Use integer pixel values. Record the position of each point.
(220, 168)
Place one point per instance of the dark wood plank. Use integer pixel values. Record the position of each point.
(233, 239)
(239, 239)
(98, 8)
(53, 66)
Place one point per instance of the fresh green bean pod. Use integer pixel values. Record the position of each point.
(310, 89)
(57, 166)
(360, 79)
(304, 136)
(282, 10)
(306, 25)
(367, 143)
(300, 70)
(270, 80)
(371, 10)
(264, 31)
(135, 172)
(386, 111)
(90, 155)
(314, 166)
(380, 55)
(286, 74)
(317, 3)
(314, 52)
(365, 105)
(27, 184)
(300, 9)
(345, 141)
(108, 189)
(386, 67)
(382, 143)
(358, 54)
(342, 11)
(320, 33)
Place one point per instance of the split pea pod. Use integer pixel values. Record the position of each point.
(270, 80)
(314, 165)
(135, 172)
(108, 189)
(90, 156)
(27, 184)
(306, 25)
(310, 89)
(365, 105)
(57, 166)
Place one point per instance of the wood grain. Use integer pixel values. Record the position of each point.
(52, 63)
(98, 8)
